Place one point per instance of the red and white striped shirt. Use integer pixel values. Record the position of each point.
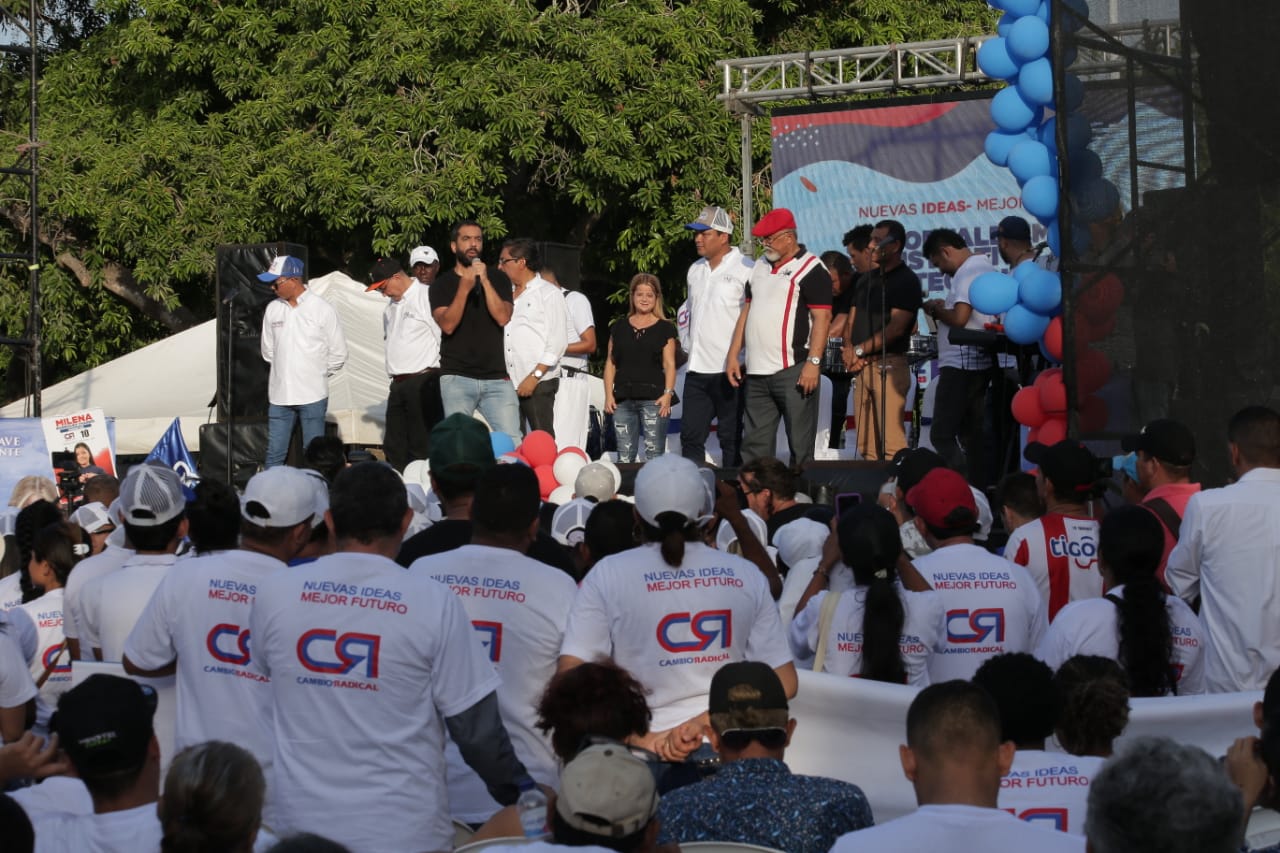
(1061, 555)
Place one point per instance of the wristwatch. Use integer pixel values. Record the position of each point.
(858, 351)
(813, 359)
(538, 373)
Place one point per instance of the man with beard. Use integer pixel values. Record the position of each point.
(472, 303)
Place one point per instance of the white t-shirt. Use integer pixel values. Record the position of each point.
(923, 632)
(957, 829)
(579, 320)
(10, 590)
(965, 357)
(17, 687)
(200, 616)
(22, 630)
(673, 627)
(129, 831)
(518, 608)
(992, 607)
(1092, 627)
(1049, 789)
(55, 795)
(411, 333)
(87, 570)
(715, 301)
(113, 603)
(46, 612)
(1061, 554)
(797, 581)
(365, 661)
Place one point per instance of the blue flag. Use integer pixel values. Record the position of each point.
(171, 450)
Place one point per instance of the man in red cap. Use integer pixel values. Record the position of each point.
(992, 605)
(783, 326)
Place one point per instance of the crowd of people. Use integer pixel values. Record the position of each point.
(344, 662)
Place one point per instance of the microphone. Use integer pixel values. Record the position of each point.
(477, 262)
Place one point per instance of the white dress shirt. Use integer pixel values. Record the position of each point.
(715, 301)
(1228, 553)
(304, 346)
(537, 333)
(411, 333)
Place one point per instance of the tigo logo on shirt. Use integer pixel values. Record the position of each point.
(975, 626)
(228, 644)
(490, 637)
(322, 650)
(1084, 552)
(684, 632)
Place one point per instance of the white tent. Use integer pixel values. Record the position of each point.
(177, 377)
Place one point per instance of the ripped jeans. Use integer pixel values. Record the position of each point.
(629, 419)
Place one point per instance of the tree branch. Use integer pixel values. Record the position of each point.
(119, 280)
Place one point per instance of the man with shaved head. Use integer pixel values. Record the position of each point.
(954, 759)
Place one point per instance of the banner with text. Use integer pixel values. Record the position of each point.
(22, 453)
(83, 434)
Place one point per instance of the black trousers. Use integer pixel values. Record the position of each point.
(959, 410)
(537, 411)
(413, 410)
(709, 397)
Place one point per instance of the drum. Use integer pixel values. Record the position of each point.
(922, 347)
(833, 360)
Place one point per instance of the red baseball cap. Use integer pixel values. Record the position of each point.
(938, 495)
(778, 219)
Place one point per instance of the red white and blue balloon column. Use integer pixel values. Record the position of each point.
(1025, 141)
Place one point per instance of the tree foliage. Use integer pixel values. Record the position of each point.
(359, 128)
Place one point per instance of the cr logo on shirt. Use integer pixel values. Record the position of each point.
(229, 644)
(685, 632)
(1049, 818)
(322, 650)
(490, 637)
(50, 655)
(975, 626)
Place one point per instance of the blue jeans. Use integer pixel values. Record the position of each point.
(280, 420)
(495, 399)
(629, 419)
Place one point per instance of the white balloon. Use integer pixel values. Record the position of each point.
(418, 471)
(566, 467)
(561, 494)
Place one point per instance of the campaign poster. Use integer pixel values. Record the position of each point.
(85, 436)
(23, 453)
(921, 163)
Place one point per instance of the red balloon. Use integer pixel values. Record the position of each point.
(1053, 394)
(1053, 338)
(575, 450)
(1102, 330)
(1026, 407)
(1093, 414)
(539, 448)
(1053, 431)
(1100, 297)
(546, 479)
(1093, 369)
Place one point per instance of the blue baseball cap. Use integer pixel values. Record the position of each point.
(283, 266)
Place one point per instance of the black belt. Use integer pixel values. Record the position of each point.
(571, 371)
(401, 377)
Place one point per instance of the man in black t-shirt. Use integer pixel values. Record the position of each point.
(874, 341)
(471, 303)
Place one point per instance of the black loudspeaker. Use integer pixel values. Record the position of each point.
(566, 261)
(242, 299)
(249, 448)
(825, 480)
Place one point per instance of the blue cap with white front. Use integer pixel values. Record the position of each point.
(283, 266)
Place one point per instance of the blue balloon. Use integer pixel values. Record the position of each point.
(1006, 21)
(501, 442)
(1028, 39)
(1072, 92)
(1035, 82)
(1040, 197)
(1022, 270)
(994, 60)
(1045, 352)
(1011, 113)
(1079, 134)
(1080, 239)
(1094, 200)
(1077, 14)
(1086, 166)
(1019, 8)
(1041, 291)
(1028, 159)
(1054, 239)
(999, 144)
(993, 293)
(1044, 13)
(1024, 326)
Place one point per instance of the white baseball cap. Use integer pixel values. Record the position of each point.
(150, 495)
(726, 537)
(569, 522)
(280, 497)
(93, 516)
(595, 481)
(671, 483)
(423, 255)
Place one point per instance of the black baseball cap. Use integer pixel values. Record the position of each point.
(1014, 228)
(1068, 464)
(104, 724)
(911, 464)
(747, 696)
(1165, 439)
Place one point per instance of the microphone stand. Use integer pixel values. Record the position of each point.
(229, 300)
(884, 369)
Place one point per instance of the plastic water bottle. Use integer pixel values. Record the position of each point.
(532, 806)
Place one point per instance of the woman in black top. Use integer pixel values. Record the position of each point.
(640, 372)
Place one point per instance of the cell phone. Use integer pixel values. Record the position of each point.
(847, 500)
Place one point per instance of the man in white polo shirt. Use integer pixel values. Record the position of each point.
(717, 286)
(783, 326)
(369, 664)
(197, 623)
(537, 335)
(518, 608)
(154, 510)
(412, 359)
(573, 397)
(303, 342)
